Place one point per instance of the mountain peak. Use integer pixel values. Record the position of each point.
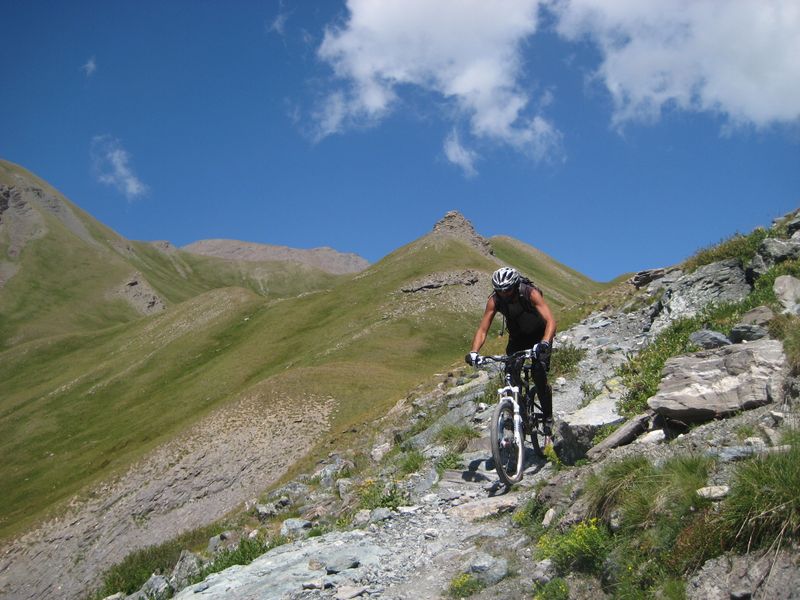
(457, 225)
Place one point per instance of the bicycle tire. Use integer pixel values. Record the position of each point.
(507, 455)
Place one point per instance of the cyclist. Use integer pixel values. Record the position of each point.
(530, 325)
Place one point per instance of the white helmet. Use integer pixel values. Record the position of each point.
(504, 279)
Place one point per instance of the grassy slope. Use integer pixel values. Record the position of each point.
(563, 287)
(63, 282)
(79, 407)
(84, 405)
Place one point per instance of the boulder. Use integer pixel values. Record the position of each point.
(718, 282)
(787, 291)
(747, 333)
(708, 339)
(576, 431)
(715, 383)
(760, 315)
(295, 528)
(155, 588)
(486, 568)
(187, 567)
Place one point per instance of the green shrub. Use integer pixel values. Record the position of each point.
(590, 392)
(555, 589)
(451, 460)
(456, 437)
(741, 247)
(374, 494)
(584, 547)
(529, 517)
(465, 585)
(131, 574)
(411, 462)
(564, 360)
(243, 554)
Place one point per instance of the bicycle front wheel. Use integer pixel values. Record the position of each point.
(506, 452)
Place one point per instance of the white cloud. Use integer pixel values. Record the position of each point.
(457, 154)
(89, 67)
(467, 52)
(278, 24)
(111, 165)
(738, 58)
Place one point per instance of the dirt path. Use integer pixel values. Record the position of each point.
(226, 459)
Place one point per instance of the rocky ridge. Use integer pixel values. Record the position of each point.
(454, 521)
(326, 259)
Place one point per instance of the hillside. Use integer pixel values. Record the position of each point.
(94, 391)
(62, 271)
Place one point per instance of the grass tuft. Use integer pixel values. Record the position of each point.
(739, 246)
(465, 585)
(564, 360)
(583, 548)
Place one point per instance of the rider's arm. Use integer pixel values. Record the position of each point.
(550, 322)
(483, 328)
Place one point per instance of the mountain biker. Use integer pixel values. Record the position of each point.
(530, 325)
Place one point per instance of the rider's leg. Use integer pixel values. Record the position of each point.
(543, 389)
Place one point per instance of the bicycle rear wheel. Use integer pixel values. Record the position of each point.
(506, 453)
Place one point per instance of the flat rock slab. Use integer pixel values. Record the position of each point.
(716, 383)
(486, 507)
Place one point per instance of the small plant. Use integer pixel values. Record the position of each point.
(550, 454)
(787, 329)
(243, 554)
(604, 431)
(456, 437)
(465, 585)
(590, 392)
(411, 462)
(744, 431)
(374, 494)
(529, 517)
(555, 589)
(742, 247)
(451, 460)
(564, 360)
(583, 548)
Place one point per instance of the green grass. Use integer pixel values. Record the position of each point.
(456, 437)
(410, 462)
(564, 360)
(130, 574)
(555, 589)
(763, 507)
(583, 547)
(738, 246)
(377, 494)
(450, 460)
(563, 287)
(662, 523)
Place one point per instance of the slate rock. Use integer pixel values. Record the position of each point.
(760, 315)
(747, 333)
(715, 383)
(187, 567)
(295, 528)
(708, 339)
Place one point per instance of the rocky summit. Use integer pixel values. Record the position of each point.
(456, 225)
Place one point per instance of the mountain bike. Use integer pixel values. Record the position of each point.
(517, 415)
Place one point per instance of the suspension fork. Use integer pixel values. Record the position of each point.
(511, 392)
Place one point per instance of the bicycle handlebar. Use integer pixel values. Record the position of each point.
(507, 358)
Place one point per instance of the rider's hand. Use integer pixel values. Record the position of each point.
(541, 353)
(473, 359)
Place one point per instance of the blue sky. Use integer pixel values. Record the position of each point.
(614, 135)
